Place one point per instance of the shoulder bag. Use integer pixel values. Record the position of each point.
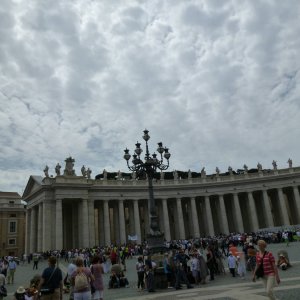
(45, 290)
(260, 270)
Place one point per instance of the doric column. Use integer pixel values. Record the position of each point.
(106, 223)
(46, 226)
(122, 222)
(33, 234)
(137, 225)
(91, 223)
(297, 202)
(85, 223)
(225, 228)
(27, 240)
(283, 208)
(40, 228)
(253, 213)
(268, 211)
(166, 220)
(59, 225)
(210, 223)
(195, 218)
(238, 213)
(180, 219)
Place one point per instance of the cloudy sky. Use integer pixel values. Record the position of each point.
(216, 81)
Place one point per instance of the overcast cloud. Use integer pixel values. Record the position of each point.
(216, 81)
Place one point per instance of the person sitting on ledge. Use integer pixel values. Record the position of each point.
(282, 262)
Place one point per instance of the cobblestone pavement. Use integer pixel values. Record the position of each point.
(224, 287)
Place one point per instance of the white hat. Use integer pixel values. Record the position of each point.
(21, 290)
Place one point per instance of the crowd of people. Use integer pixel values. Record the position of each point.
(184, 262)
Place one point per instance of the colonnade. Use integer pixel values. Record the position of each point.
(86, 222)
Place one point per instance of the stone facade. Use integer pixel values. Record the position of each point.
(69, 211)
(12, 224)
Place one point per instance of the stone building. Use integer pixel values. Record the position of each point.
(67, 211)
(12, 224)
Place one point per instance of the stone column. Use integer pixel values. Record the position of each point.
(91, 223)
(28, 225)
(225, 228)
(210, 223)
(267, 212)
(297, 201)
(195, 218)
(33, 234)
(238, 213)
(137, 224)
(180, 219)
(122, 222)
(40, 228)
(283, 208)
(106, 223)
(46, 226)
(59, 225)
(166, 220)
(253, 213)
(85, 223)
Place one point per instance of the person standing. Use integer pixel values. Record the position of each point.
(35, 262)
(51, 278)
(232, 264)
(270, 271)
(140, 268)
(97, 271)
(12, 266)
(2, 283)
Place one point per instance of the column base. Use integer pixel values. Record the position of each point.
(156, 243)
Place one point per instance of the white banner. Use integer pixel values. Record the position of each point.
(132, 237)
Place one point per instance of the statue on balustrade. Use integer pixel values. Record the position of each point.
(134, 175)
(203, 173)
(246, 168)
(217, 171)
(83, 171)
(175, 175)
(290, 162)
(88, 173)
(104, 174)
(162, 175)
(46, 171)
(57, 169)
(259, 167)
(189, 174)
(230, 169)
(274, 163)
(119, 176)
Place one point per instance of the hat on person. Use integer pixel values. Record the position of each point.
(230, 253)
(21, 290)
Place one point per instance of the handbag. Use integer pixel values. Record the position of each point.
(3, 291)
(45, 290)
(260, 270)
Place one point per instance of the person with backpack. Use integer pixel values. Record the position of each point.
(81, 280)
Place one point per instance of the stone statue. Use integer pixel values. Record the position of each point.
(57, 169)
(46, 171)
(245, 168)
(69, 168)
(119, 176)
(217, 170)
(175, 175)
(162, 175)
(83, 171)
(134, 175)
(230, 169)
(203, 173)
(290, 162)
(189, 174)
(259, 166)
(104, 174)
(274, 163)
(88, 173)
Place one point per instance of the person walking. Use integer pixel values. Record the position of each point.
(266, 260)
(97, 271)
(12, 267)
(35, 262)
(232, 263)
(52, 280)
(140, 268)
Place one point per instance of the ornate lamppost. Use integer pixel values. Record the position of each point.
(149, 166)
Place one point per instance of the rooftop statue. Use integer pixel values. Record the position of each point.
(259, 166)
(245, 168)
(162, 175)
(175, 175)
(133, 175)
(230, 169)
(57, 169)
(83, 171)
(217, 170)
(274, 165)
(104, 174)
(88, 173)
(189, 174)
(203, 173)
(290, 162)
(119, 176)
(46, 171)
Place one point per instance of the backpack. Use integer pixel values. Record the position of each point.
(81, 281)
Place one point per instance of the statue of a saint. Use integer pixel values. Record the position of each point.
(104, 174)
(119, 176)
(189, 174)
(162, 175)
(290, 162)
(134, 175)
(83, 171)
(245, 168)
(88, 173)
(203, 173)
(274, 163)
(69, 168)
(230, 169)
(175, 175)
(259, 166)
(217, 170)
(57, 169)
(46, 171)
